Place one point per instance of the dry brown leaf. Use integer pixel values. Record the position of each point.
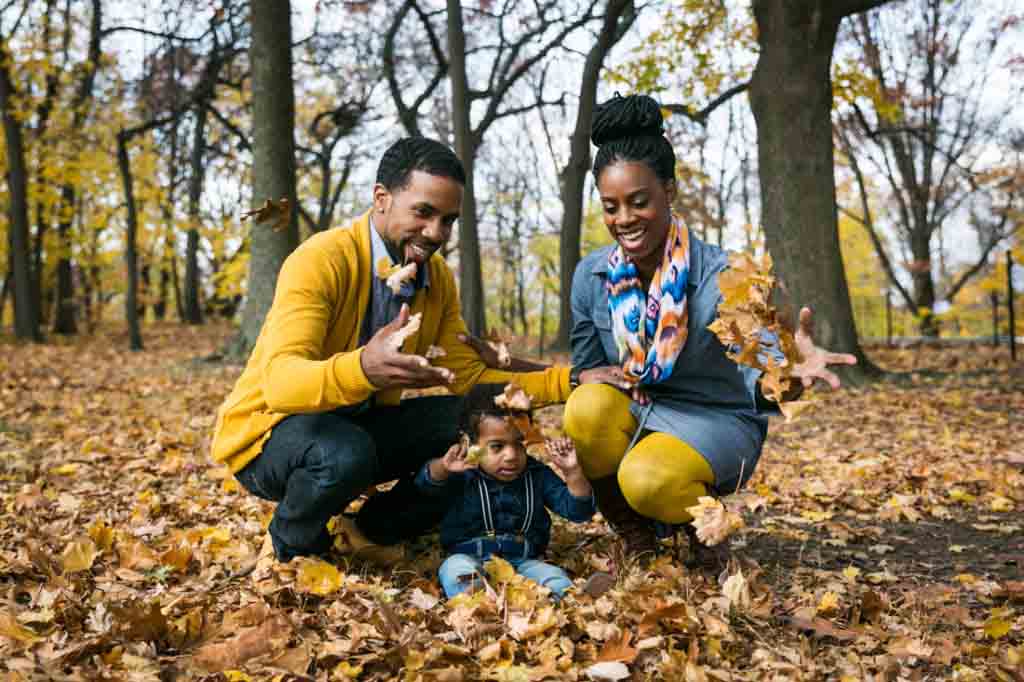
(79, 555)
(271, 635)
(397, 339)
(513, 397)
(279, 211)
(712, 521)
(395, 275)
(619, 649)
(500, 347)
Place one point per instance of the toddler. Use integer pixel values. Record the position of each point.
(498, 506)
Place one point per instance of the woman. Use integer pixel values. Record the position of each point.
(695, 421)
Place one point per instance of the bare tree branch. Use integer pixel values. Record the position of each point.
(701, 117)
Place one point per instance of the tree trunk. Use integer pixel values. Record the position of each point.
(791, 98)
(574, 175)
(131, 310)
(64, 317)
(924, 284)
(179, 303)
(193, 307)
(6, 287)
(471, 284)
(26, 312)
(160, 305)
(273, 100)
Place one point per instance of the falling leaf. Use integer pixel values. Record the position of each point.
(79, 555)
(279, 211)
(500, 347)
(395, 275)
(513, 397)
(474, 453)
(526, 428)
(712, 521)
(318, 577)
(397, 339)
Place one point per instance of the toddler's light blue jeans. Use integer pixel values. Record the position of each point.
(458, 571)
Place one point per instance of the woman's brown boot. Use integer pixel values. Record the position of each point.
(708, 558)
(635, 531)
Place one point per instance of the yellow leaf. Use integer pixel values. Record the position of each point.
(236, 676)
(414, 659)
(318, 577)
(1001, 504)
(12, 629)
(997, 625)
(79, 555)
(499, 570)
(102, 535)
(348, 671)
(851, 573)
(829, 603)
(65, 469)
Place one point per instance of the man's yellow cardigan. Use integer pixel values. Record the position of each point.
(307, 357)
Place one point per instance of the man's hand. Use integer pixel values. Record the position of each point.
(816, 360)
(387, 367)
(563, 455)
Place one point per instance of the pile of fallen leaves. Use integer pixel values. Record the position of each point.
(882, 539)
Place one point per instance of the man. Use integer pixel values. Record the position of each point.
(317, 418)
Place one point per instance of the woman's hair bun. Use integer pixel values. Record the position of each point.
(620, 117)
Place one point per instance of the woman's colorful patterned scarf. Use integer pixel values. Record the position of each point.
(648, 351)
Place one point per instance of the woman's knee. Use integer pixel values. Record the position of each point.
(661, 476)
(593, 409)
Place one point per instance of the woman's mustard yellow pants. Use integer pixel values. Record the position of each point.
(660, 476)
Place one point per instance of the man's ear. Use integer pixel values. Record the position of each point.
(381, 198)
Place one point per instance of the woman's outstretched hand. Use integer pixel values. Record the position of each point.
(816, 360)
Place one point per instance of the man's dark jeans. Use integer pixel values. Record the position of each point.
(313, 465)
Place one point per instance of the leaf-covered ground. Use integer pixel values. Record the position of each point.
(884, 540)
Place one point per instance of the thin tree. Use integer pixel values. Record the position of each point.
(619, 16)
(26, 310)
(273, 143)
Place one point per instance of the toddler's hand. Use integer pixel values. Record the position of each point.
(455, 461)
(563, 455)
